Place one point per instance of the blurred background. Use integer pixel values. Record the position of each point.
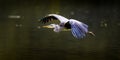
(22, 38)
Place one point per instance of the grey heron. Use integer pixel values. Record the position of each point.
(78, 29)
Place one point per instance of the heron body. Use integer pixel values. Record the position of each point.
(78, 29)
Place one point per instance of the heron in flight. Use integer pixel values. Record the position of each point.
(78, 29)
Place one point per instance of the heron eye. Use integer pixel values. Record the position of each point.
(60, 25)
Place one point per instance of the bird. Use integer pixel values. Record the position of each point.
(78, 29)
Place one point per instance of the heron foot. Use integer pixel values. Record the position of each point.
(91, 33)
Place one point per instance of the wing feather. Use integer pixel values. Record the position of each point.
(78, 29)
(47, 19)
(54, 17)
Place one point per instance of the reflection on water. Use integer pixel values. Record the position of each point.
(22, 38)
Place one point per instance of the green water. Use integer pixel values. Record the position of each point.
(21, 39)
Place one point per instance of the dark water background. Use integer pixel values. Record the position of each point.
(21, 39)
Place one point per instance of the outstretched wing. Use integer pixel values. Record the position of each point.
(54, 17)
(47, 19)
(78, 29)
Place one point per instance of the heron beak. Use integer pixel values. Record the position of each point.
(48, 26)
